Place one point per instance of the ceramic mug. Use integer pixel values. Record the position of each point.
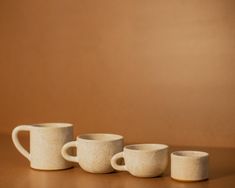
(189, 165)
(94, 151)
(46, 141)
(142, 160)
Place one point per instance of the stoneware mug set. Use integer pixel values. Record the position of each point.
(100, 153)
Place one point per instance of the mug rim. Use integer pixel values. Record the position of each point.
(52, 125)
(113, 137)
(189, 154)
(152, 147)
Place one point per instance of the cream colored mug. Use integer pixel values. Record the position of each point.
(94, 151)
(46, 141)
(143, 160)
(189, 165)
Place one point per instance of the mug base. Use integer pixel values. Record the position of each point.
(183, 180)
(51, 169)
(98, 172)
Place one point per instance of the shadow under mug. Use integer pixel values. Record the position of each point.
(94, 151)
(46, 141)
(142, 160)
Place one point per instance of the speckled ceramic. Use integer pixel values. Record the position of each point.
(94, 151)
(46, 141)
(189, 165)
(143, 160)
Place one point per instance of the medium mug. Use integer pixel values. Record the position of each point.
(142, 160)
(46, 141)
(94, 151)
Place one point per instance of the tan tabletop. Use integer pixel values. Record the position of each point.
(15, 172)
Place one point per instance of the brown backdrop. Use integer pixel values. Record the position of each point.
(153, 71)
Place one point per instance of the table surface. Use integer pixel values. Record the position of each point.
(15, 172)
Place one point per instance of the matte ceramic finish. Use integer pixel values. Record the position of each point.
(46, 141)
(94, 151)
(143, 160)
(189, 165)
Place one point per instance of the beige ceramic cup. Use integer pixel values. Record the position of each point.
(46, 141)
(94, 151)
(143, 160)
(189, 165)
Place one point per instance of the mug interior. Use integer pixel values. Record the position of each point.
(146, 147)
(100, 137)
(190, 153)
(53, 125)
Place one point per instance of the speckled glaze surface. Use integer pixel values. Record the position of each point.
(46, 141)
(94, 151)
(143, 160)
(189, 165)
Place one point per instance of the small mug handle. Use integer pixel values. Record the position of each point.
(16, 141)
(65, 154)
(114, 162)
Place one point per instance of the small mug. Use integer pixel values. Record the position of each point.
(189, 165)
(46, 141)
(94, 151)
(143, 160)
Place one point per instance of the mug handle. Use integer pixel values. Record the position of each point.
(114, 162)
(65, 154)
(16, 141)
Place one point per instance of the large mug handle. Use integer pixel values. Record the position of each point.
(16, 142)
(64, 152)
(114, 162)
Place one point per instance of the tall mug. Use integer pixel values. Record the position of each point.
(46, 141)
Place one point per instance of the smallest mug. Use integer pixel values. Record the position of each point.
(189, 165)
(143, 160)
